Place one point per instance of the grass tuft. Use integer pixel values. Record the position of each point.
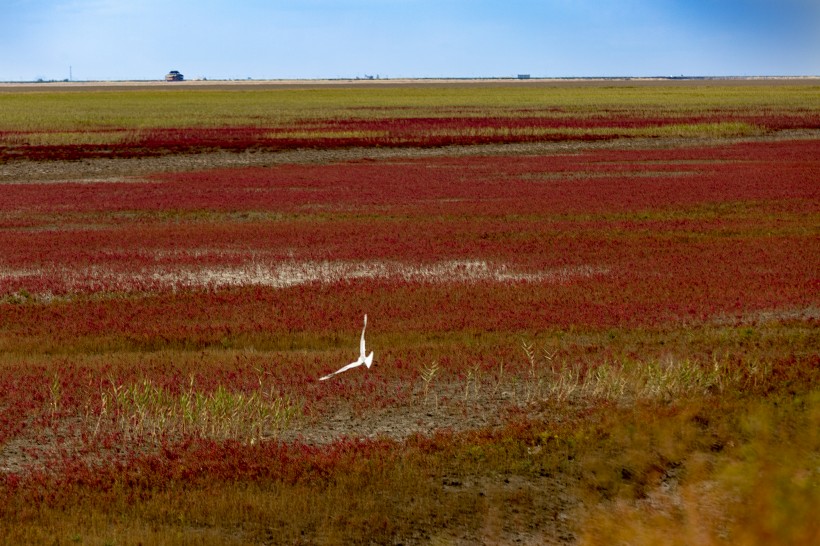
(145, 409)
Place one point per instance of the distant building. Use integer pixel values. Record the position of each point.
(523, 76)
(174, 76)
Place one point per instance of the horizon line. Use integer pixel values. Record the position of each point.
(374, 79)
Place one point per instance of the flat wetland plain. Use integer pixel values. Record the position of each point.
(593, 305)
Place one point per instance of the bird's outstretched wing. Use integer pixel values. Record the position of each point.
(361, 343)
(343, 369)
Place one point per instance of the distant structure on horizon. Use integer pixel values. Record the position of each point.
(174, 76)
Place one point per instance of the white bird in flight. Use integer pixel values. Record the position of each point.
(366, 360)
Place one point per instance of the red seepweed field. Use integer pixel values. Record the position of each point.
(594, 317)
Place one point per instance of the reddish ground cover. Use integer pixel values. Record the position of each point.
(495, 244)
(641, 236)
(123, 300)
(391, 132)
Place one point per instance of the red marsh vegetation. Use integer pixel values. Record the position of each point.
(607, 344)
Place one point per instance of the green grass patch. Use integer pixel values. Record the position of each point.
(136, 109)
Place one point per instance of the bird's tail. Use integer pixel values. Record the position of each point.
(368, 360)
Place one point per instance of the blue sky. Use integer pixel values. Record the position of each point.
(216, 39)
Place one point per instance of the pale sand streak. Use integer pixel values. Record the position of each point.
(328, 272)
(293, 273)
